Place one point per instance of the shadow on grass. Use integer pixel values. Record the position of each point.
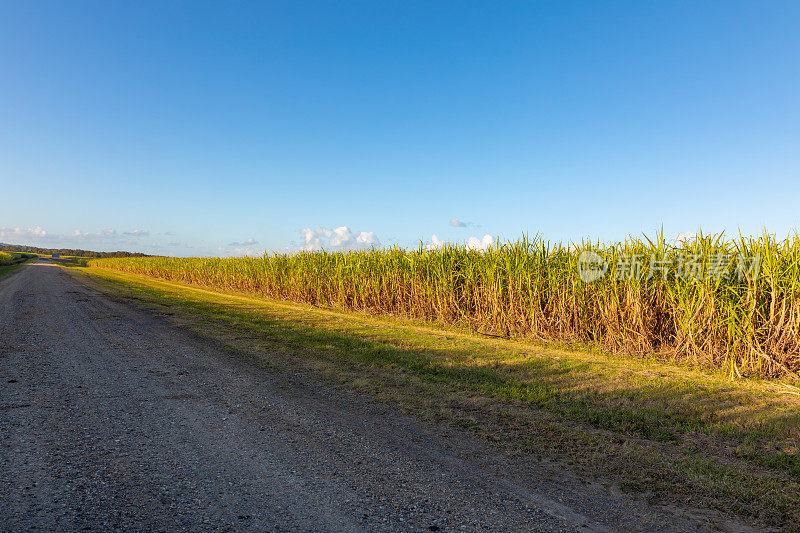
(669, 410)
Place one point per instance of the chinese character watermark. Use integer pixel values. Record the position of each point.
(714, 267)
(591, 266)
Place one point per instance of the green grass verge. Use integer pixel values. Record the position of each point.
(666, 431)
(8, 269)
(15, 261)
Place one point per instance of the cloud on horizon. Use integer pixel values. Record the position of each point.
(106, 233)
(227, 251)
(37, 236)
(22, 233)
(341, 238)
(247, 242)
(435, 243)
(456, 223)
(474, 243)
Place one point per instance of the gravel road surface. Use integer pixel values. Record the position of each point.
(113, 419)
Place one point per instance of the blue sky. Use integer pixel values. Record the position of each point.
(195, 128)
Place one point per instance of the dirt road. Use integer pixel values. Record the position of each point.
(113, 419)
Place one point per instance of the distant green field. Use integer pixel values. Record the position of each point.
(12, 258)
(10, 261)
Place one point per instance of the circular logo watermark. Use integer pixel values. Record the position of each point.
(591, 266)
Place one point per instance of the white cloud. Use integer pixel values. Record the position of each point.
(101, 239)
(107, 239)
(314, 238)
(341, 238)
(247, 242)
(22, 233)
(484, 243)
(474, 243)
(109, 233)
(240, 252)
(435, 243)
(457, 223)
(38, 234)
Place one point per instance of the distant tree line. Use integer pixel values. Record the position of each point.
(67, 251)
